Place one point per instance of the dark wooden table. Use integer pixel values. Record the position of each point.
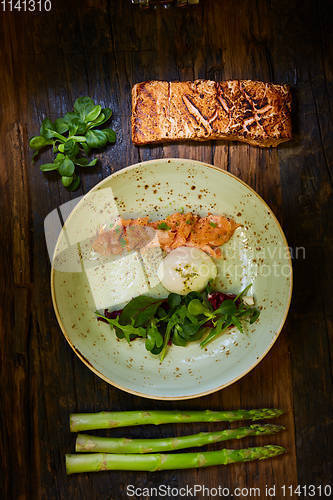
(101, 49)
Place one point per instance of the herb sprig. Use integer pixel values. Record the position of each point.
(181, 319)
(72, 137)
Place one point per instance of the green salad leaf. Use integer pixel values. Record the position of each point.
(129, 331)
(181, 319)
(47, 167)
(83, 106)
(73, 136)
(140, 309)
(154, 339)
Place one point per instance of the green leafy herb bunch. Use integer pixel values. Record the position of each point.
(73, 136)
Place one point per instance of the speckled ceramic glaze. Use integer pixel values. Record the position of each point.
(82, 282)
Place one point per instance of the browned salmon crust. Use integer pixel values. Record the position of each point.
(238, 110)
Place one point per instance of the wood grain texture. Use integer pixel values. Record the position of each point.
(102, 49)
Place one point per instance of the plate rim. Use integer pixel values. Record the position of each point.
(209, 391)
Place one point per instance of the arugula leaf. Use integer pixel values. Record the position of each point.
(171, 323)
(219, 327)
(129, 330)
(237, 323)
(232, 313)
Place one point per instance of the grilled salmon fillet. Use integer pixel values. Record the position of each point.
(176, 230)
(239, 110)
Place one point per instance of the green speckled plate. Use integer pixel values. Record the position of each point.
(82, 281)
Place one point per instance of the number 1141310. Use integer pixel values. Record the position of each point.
(26, 5)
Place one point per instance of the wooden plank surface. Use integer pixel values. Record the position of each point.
(101, 49)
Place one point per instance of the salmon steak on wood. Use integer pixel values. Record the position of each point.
(254, 112)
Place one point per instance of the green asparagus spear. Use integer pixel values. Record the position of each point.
(90, 462)
(86, 443)
(108, 420)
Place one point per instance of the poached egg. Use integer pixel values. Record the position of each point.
(186, 269)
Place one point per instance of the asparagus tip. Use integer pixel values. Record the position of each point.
(267, 413)
(273, 450)
(272, 428)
